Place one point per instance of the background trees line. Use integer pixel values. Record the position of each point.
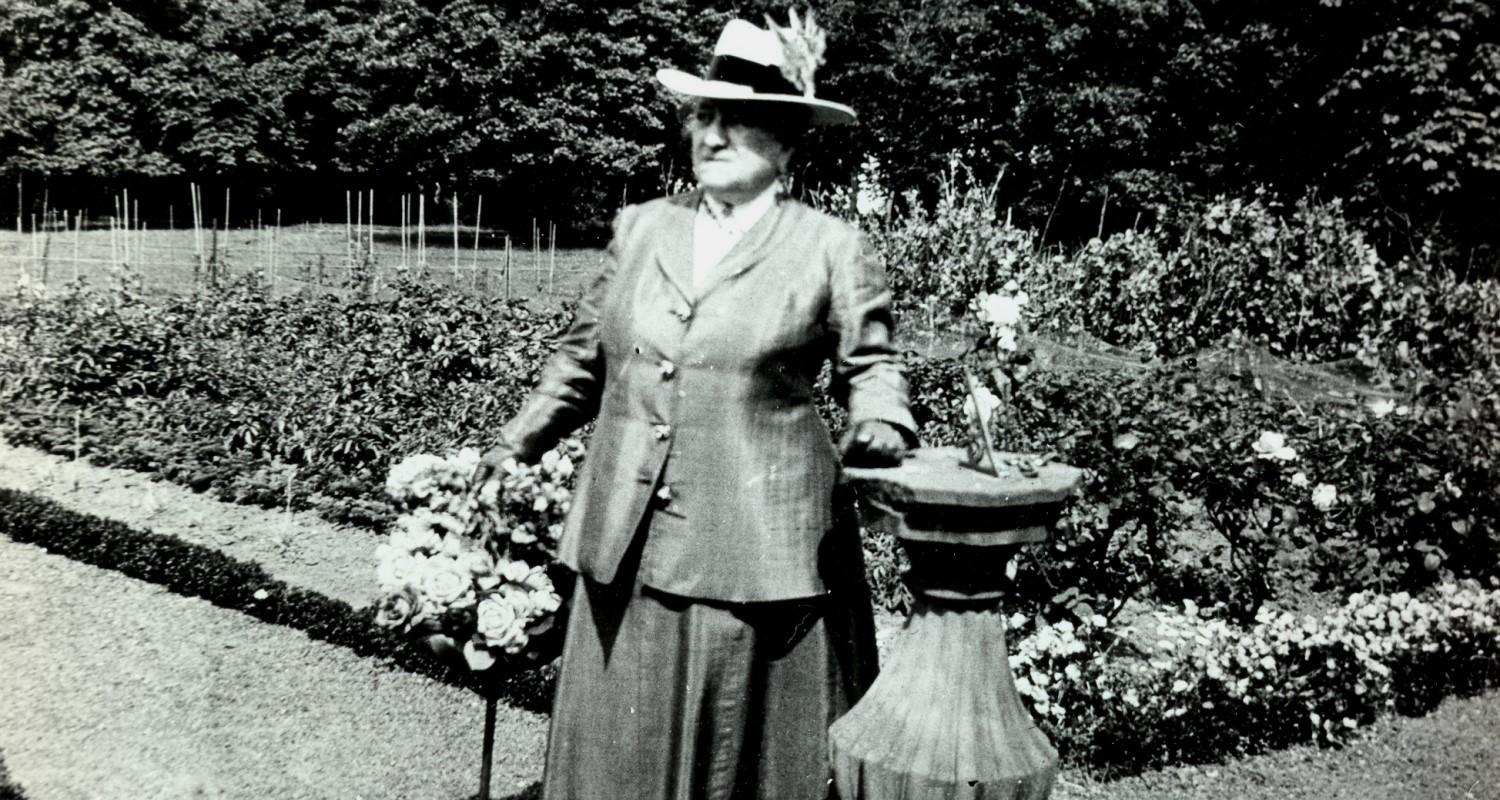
(1120, 110)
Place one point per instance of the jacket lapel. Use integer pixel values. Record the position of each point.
(674, 253)
(750, 250)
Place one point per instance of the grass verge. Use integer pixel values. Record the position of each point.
(197, 571)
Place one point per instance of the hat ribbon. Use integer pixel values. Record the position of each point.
(763, 78)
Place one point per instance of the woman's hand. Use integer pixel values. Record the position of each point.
(874, 443)
(489, 468)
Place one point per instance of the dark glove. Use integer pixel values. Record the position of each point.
(874, 443)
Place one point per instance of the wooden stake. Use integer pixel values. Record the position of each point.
(474, 265)
(359, 225)
(507, 266)
(77, 445)
(45, 197)
(422, 233)
(114, 253)
(275, 232)
(348, 232)
(455, 238)
(77, 229)
(1103, 207)
(551, 256)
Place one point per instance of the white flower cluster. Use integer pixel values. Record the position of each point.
(1272, 446)
(983, 413)
(1338, 667)
(468, 564)
(1001, 311)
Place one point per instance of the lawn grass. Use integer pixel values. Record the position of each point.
(1450, 753)
(303, 257)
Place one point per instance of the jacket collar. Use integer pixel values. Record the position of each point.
(675, 253)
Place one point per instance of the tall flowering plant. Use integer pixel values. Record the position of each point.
(999, 355)
(465, 568)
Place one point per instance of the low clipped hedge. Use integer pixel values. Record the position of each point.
(196, 571)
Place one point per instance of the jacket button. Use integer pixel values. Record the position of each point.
(668, 369)
(661, 432)
(664, 495)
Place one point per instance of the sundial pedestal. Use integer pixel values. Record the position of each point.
(943, 720)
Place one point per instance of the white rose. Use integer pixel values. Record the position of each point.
(494, 618)
(1381, 407)
(412, 477)
(498, 624)
(546, 601)
(1273, 445)
(444, 580)
(1005, 339)
(519, 599)
(414, 533)
(478, 563)
(400, 569)
(1324, 495)
(515, 571)
(1000, 310)
(1299, 480)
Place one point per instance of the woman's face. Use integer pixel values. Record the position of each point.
(734, 159)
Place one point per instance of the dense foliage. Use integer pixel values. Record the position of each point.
(1100, 114)
(1271, 415)
(1197, 684)
(269, 400)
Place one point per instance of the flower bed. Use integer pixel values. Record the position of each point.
(1199, 684)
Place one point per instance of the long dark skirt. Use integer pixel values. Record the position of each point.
(662, 697)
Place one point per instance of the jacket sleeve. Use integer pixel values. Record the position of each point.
(869, 377)
(567, 393)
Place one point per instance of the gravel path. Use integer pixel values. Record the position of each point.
(300, 547)
(115, 688)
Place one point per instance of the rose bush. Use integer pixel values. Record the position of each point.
(467, 565)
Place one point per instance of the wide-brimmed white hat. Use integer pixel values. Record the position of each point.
(751, 63)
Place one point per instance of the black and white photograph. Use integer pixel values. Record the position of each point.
(749, 400)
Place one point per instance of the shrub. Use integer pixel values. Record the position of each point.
(306, 399)
(1202, 686)
(1178, 503)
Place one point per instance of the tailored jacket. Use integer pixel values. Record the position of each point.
(704, 397)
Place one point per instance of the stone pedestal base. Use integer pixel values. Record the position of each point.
(943, 720)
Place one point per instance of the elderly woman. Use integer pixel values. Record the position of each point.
(719, 624)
